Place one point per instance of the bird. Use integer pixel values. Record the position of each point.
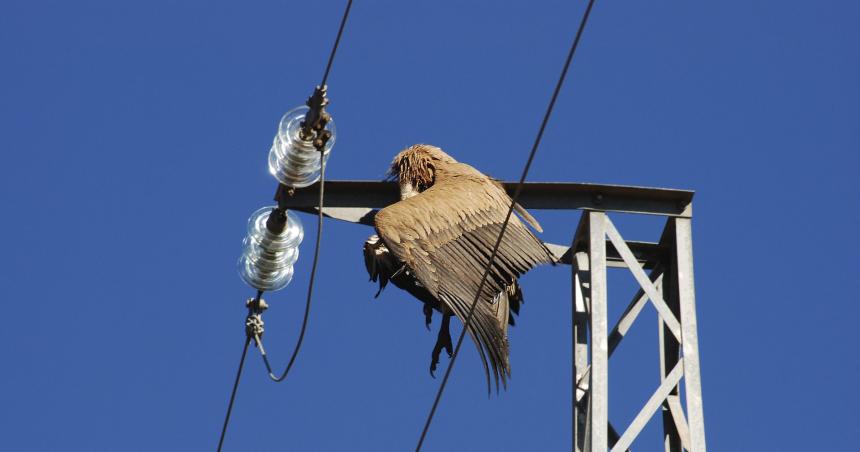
(436, 242)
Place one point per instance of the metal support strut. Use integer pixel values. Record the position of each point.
(669, 288)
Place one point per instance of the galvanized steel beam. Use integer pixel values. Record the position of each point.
(689, 332)
(579, 349)
(618, 331)
(650, 407)
(598, 411)
(642, 279)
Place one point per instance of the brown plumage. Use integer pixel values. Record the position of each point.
(438, 240)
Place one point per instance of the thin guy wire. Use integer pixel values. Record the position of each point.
(233, 394)
(257, 339)
(336, 42)
(516, 196)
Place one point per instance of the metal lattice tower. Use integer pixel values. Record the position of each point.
(669, 286)
(663, 269)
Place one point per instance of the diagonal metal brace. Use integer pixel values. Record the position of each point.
(646, 284)
(650, 408)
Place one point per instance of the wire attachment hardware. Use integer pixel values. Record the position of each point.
(317, 118)
(254, 326)
(303, 143)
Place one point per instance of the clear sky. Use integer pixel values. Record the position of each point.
(134, 145)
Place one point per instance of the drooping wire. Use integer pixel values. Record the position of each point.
(301, 338)
(233, 393)
(516, 196)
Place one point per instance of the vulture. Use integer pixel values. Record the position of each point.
(436, 242)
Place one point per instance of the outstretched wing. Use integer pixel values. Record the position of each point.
(446, 234)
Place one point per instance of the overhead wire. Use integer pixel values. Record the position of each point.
(233, 393)
(336, 42)
(514, 199)
(255, 306)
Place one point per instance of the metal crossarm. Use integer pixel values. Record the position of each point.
(364, 196)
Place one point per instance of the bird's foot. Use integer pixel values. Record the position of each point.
(443, 341)
(428, 315)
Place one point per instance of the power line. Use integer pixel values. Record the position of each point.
(336, 42)
(233, 394)
(528, 164)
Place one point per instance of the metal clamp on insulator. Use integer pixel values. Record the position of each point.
(304, 141)
(254, 326)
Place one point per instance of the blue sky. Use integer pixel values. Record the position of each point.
(134, 141)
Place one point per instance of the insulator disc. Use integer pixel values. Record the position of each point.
(267, 259)
(294, 161)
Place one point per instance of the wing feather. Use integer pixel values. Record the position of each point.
(446, 234)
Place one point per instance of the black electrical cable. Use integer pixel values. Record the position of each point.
(336, 43)
(233, 394)
(258, 340)
(528, 164)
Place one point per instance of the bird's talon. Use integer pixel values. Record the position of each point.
(428, 315)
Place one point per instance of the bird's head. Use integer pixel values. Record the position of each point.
(415, 168)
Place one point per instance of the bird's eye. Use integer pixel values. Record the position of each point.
(420, 185)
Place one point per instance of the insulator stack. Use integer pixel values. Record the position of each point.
(293, 160)
(267, 259)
